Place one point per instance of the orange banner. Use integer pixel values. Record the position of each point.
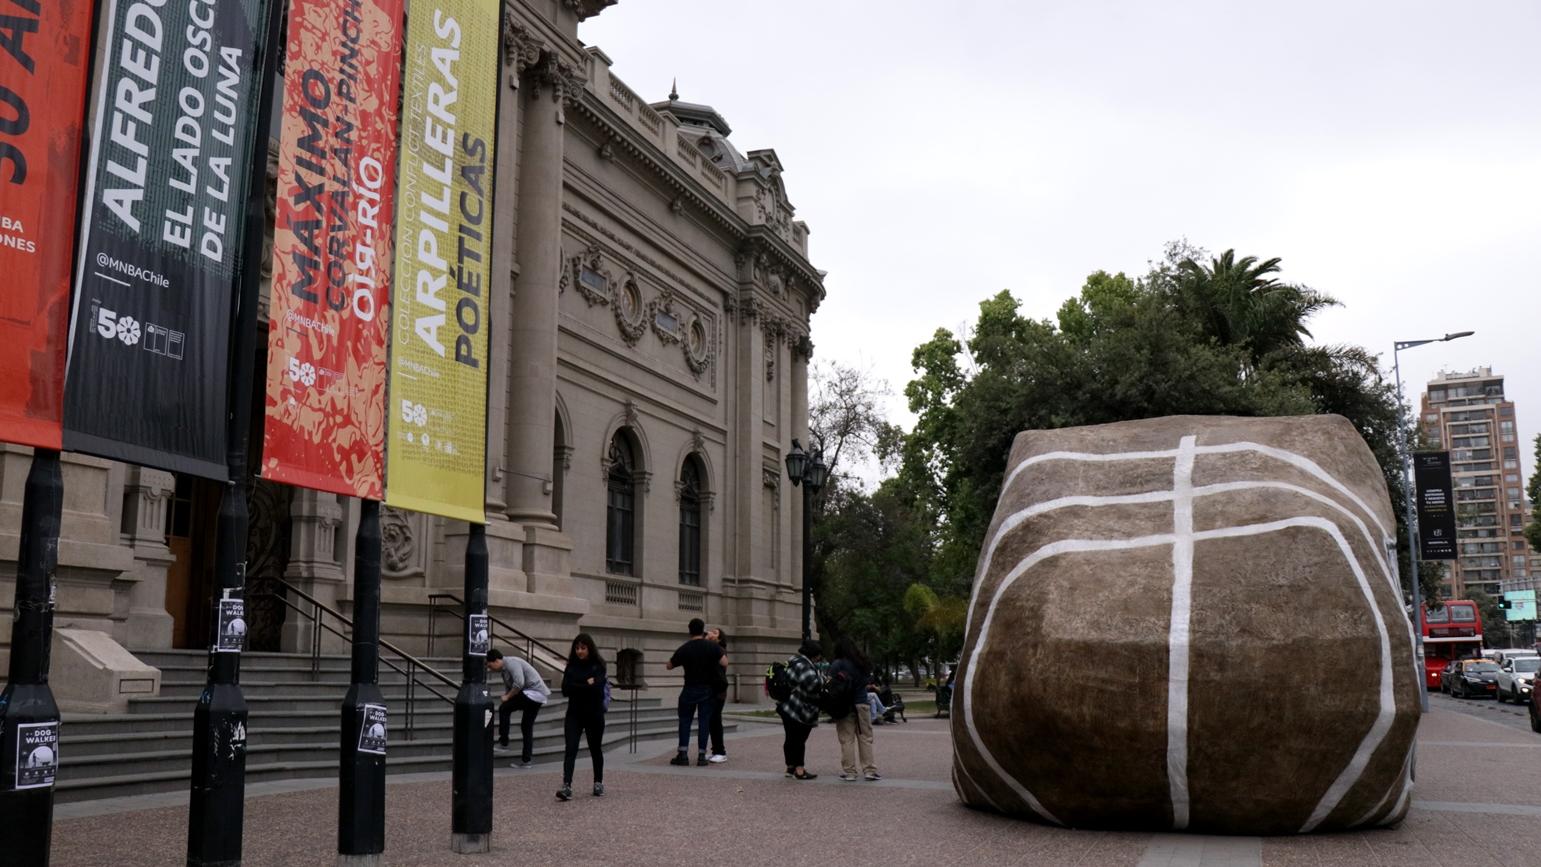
(330, 313)
(45, 56)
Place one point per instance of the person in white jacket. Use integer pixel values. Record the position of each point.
(523, 690)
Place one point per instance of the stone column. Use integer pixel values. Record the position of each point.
(147, 497)
(315, 564)
(532, 373)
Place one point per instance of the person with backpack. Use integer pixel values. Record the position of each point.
(799, 711)
(720, 700)
(587, 692)
(523, 690)
(702, 661)
(846, 701)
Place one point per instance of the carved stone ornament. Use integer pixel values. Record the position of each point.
(398, 548)
(770, 363)
(666, 320)
(630, 413)
(630, 311)
(804, 347)
(698, 345)
(521, 48)
(588, 8)
(678, 205)
(771, 477)
(587, 272)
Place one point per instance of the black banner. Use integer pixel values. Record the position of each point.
(167, 182)
(1436, 506)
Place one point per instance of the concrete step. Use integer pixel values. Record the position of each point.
(77, 782)
(199, 659)
(336, 673)
(307, 689)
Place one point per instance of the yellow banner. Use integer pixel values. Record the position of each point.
(436, 454)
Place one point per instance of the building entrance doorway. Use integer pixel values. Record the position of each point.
(190, 580)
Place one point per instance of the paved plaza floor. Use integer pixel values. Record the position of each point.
(1477, 802)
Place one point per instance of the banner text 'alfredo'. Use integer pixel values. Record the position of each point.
(162, 228)
(325, 424)
(44, 58)
(436, 452)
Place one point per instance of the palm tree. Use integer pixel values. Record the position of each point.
(1239, 303)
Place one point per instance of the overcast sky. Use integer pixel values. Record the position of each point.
(1388, 152)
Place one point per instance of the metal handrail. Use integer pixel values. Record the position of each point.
(316, 614)
(556, 660)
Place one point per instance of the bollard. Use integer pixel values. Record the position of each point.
(29, 718)
(361, 761)
(471, 778)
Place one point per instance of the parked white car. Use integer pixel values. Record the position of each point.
(1516, 678)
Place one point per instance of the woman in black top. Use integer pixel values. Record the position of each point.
(583, 683)
(719, 698)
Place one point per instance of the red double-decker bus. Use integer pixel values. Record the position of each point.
(1451, 632)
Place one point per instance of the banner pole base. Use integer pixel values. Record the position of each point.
(470, 844)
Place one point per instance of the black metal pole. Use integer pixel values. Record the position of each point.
(29, 718)
(807, 560)
(216, 808)
(361, 762)
(471, 778)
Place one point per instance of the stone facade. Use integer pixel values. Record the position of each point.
(655, 316)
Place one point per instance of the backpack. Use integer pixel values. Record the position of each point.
(778, 682)
(838, 696)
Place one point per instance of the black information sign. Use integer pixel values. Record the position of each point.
(478, 636)
(1436, 505)
(232, 626)
(37, 754)
(172, 127)
(372, 731)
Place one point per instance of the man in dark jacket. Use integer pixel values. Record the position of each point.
(701, 660)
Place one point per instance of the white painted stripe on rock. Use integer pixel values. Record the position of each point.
(1179, 635)
(1064, 546)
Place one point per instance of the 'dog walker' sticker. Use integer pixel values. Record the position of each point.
(478, 635)
(232, 626)
(37, 754)
(372, 731)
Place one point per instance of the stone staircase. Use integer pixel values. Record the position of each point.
(292, 730)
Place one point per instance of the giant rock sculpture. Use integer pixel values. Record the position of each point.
(1190, 623)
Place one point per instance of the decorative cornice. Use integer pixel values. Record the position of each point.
(522, 49)
(588, 8)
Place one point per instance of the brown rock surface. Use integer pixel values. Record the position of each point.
(1192, 623)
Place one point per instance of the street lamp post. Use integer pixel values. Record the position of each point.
(1407, 505)
(809, 472)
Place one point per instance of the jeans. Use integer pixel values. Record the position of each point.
(519, 702)
(719, 748)
(695, 701)
(855, 734)
(795, 748)
(574, 727)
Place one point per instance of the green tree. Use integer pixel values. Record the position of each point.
(1533, 489)
(1222, 339)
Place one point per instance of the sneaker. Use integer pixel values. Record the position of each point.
(849, 777)
(565, 793)
(599, 789)
(791, 772)
(805, 775)
(680, 759)
(874, 776)
(718, 759)
(701, 760)
(526, 763)
(501, 748)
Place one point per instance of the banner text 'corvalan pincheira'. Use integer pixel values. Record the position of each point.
(436, 452)
(44, 60)
(329, 314)
(172, 133)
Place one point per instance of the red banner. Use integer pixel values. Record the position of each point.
(45, 55)
(329, 317)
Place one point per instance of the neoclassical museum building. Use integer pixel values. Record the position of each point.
(650, 348)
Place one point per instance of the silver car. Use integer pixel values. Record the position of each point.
(1516, 677)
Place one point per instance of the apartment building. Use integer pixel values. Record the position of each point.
(1466, 413)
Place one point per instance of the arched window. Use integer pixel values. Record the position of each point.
(620, 523)
(690, 523)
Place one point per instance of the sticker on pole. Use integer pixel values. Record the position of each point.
(478, 635)
(232, 626)
(37, 754)
(371, 733)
